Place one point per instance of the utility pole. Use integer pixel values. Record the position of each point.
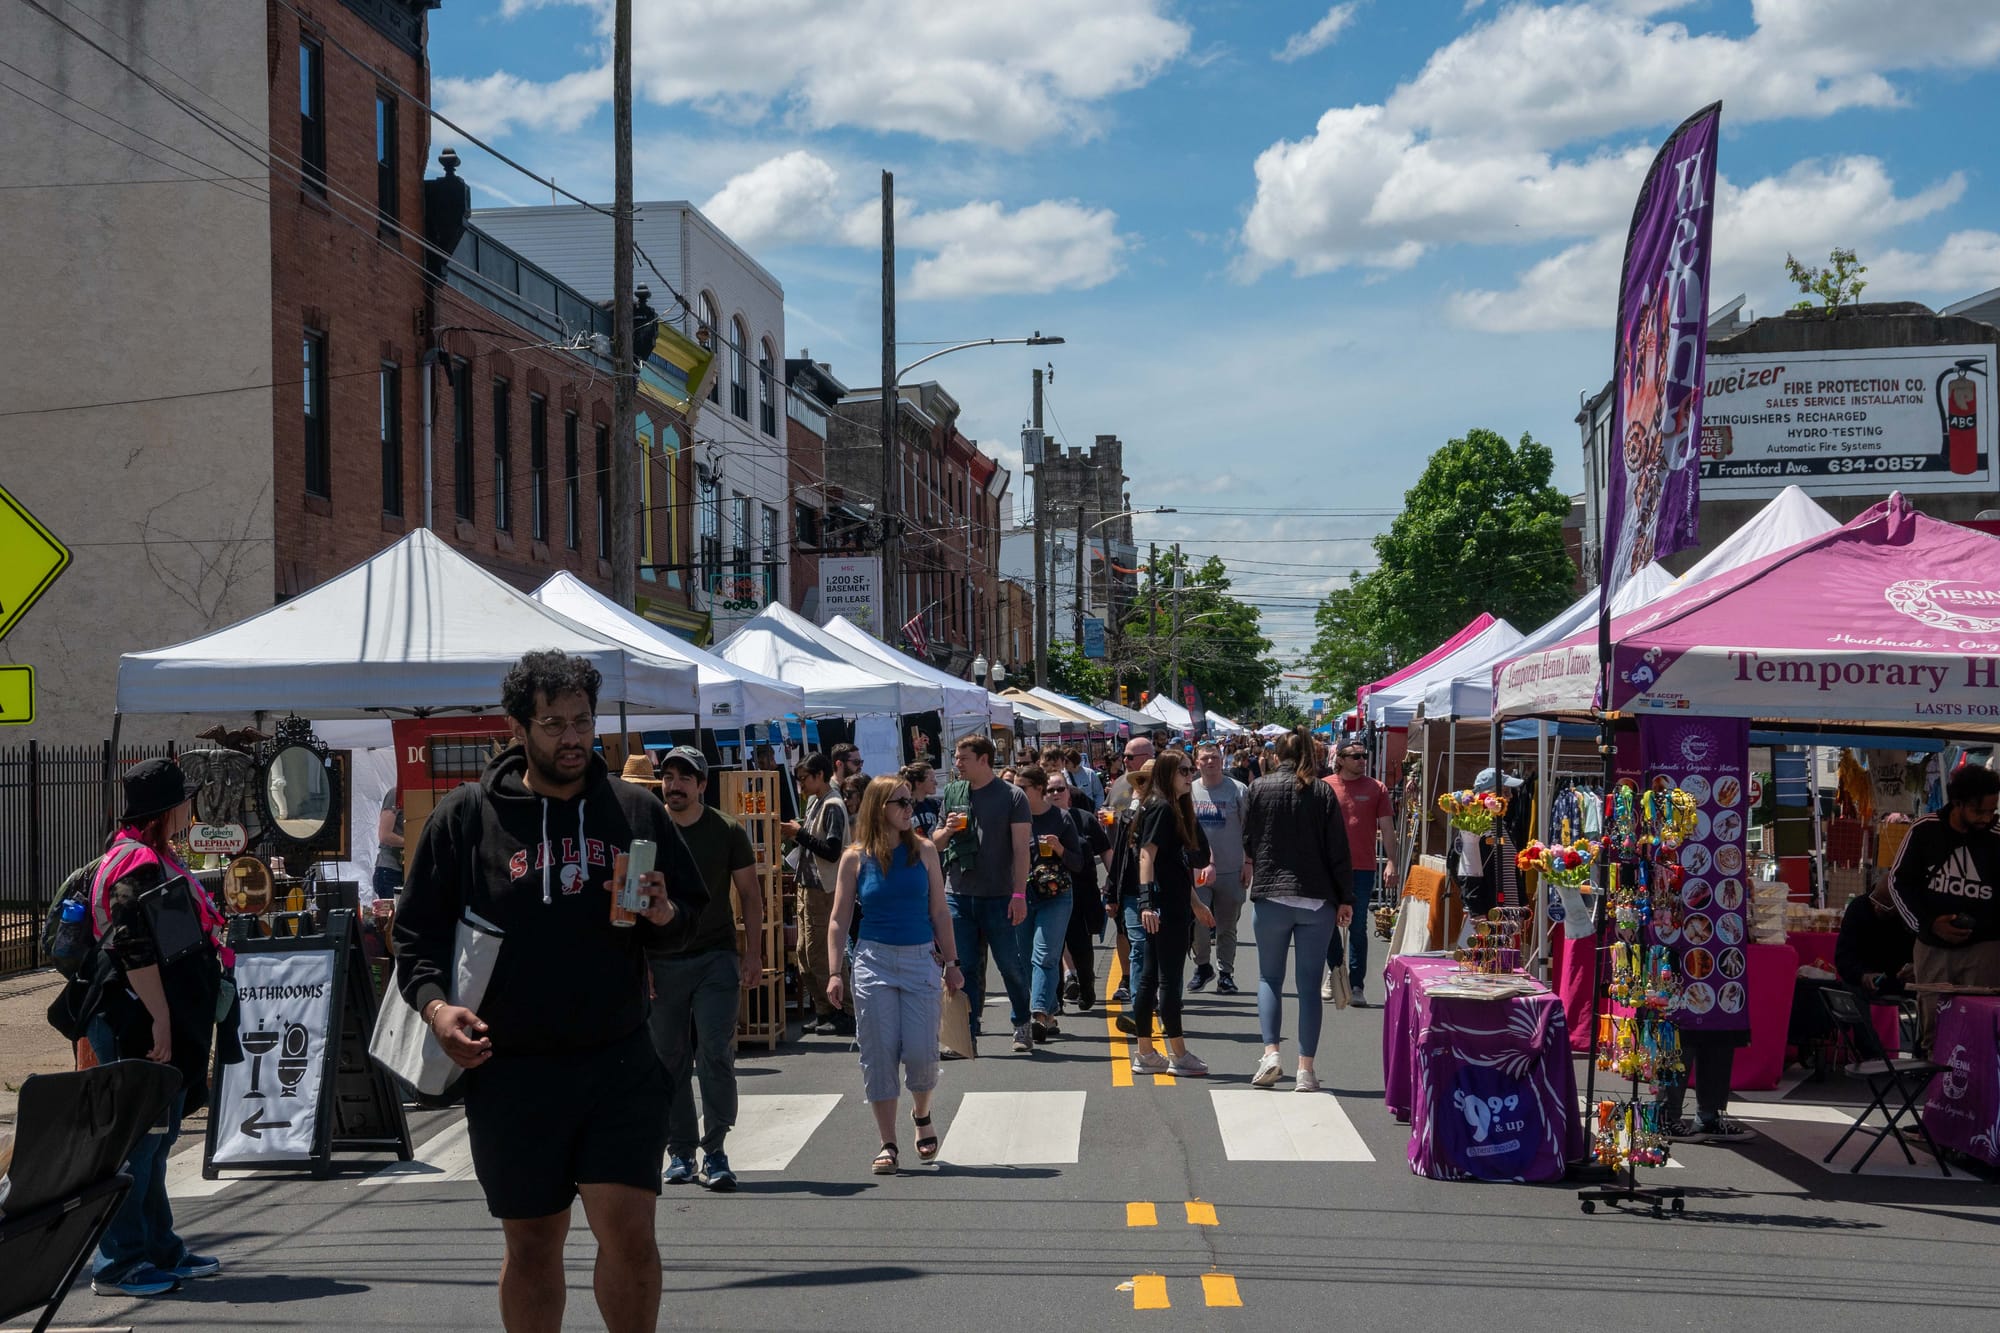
(890, 514)
(1174, 635)
(1041, 548)
(1079, 575)
(1153, 625)
(624, 382)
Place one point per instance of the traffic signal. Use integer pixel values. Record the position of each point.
(1125, 696)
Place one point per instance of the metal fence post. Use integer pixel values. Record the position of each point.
(37, 881)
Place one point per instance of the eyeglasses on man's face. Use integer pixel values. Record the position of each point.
(555, 728)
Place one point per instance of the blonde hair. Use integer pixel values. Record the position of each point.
(874, 835)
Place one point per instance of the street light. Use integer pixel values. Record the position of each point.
(892, 398)
(1082, 534)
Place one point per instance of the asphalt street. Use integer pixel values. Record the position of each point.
(1072, 1195)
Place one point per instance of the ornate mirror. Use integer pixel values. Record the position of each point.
(299, 791)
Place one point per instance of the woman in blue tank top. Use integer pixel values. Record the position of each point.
(903, 940)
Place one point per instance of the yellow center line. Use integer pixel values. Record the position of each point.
(1149, 1292)
(1201, 1214)
(1141, 1215)
(1121, 1049)
(1220, 1289)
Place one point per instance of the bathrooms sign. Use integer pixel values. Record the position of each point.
(1914, 419)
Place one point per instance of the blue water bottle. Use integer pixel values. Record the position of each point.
(72, 942)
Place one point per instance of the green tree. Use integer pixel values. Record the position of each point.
(1221, 646)
(1071, 673)
(1480, 531)
(1838, 284)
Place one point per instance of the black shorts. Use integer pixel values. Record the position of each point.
(541, 1125)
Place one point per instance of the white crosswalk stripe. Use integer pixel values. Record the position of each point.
(1260, 1126)
(1016, 1129)
(770, 1131)
(444, 1156)
(1810, 1130)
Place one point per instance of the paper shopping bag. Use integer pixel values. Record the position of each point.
(955, 1026)
(1343, 990)
(404, 1044)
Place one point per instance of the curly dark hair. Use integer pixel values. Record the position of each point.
(550, 674)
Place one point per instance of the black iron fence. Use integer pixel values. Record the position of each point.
(52, 820)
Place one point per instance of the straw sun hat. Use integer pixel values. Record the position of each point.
(639, 768)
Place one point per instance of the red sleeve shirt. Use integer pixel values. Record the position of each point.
(1363, 802)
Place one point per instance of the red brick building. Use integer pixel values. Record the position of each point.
(376, 337)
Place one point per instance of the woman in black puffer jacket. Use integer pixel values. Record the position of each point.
(1300, 894)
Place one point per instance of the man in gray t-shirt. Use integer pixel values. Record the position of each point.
(1219, 805)
(983, 838)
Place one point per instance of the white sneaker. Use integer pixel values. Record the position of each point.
(1305, 1081)
(1326, 986)
(1187, 1065)
(1268, 1071)
(1148, 1062)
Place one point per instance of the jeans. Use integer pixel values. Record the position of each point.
(1156, 968)
(387, 883)
(1083, 951)
(1225, 899)
(979, 924)
(1305, 934)
(1043, 935)
(142, 1230)
(898, 1001)
(693, 1024)
(1357, 934)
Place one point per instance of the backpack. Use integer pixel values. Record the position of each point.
(963, 848)
(69, 944)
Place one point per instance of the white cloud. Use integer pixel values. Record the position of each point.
(1967, 262)
(977, 249)
(498, 104)
(1320, 36)
(1496, 141)
(1807, 211)
(982, 250)
(1003, 74)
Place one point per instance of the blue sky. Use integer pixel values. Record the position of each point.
(1293, 247)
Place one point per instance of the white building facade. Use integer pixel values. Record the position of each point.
(735, 464)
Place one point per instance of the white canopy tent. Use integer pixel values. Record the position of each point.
(1550, 678)
(964, 700)
(1100, 719)
(416, 627)
(1396, 706)
(1222, 726)
(728, 695)
(778, 643)
(1169, 712)
(1467, 691)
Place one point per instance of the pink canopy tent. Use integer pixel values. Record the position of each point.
(1429, 659)
(1891, 618)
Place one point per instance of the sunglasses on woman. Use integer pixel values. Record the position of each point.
(903, 801)
(1058, 791)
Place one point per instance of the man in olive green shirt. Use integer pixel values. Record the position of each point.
(695, 989)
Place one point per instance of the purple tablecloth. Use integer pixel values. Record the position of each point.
(1962, 1110)
(1486, 1085)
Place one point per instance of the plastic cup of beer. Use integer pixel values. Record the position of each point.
(1051, 845)
(957, 821)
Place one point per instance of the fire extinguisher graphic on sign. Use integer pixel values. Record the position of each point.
(1958, 415)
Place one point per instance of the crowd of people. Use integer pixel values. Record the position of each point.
(579, 1066)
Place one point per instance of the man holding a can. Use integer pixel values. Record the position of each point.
(563, 1093)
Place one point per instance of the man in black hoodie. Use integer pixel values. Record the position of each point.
(563, 1093)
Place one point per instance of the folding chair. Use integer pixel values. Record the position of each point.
(1885, 1076)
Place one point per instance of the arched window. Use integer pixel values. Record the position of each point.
(767, 404)
(739, 373)
(711, 323)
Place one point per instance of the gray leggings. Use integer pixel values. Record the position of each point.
(898, 1000)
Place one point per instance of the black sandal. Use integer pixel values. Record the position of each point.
(886, 1163)
(927, 1144)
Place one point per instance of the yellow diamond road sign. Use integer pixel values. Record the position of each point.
(30, 559)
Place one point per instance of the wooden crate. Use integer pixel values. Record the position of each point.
(761, 1015)
(751, 799)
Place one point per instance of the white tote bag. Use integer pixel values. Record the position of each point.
(404, 1044)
